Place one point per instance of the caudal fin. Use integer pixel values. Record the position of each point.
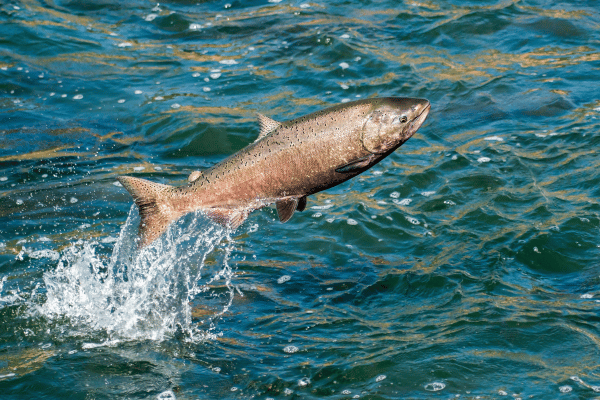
(155, 212)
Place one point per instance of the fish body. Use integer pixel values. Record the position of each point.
(288, 162)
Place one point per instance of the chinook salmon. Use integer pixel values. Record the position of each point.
(288, 161)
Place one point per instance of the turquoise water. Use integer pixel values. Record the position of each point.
(464, 265)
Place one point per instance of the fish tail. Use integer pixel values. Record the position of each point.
(155, 210)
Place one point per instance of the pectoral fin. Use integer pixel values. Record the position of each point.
(355, 165)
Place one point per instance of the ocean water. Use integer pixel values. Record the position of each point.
(465, 265)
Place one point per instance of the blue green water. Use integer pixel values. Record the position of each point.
(465, 265)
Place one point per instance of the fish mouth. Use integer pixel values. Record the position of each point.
(417, 122)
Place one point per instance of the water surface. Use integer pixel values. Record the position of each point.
(464, 265)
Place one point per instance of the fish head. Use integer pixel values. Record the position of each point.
(391, 122)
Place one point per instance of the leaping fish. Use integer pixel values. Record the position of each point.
(288, 162)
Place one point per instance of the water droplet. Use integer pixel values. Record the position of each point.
(73, 200)
(304, 382)
(78, 97)
(290, 349)
(167, 395)
(435, 386)
(344, 65)
(412, 220)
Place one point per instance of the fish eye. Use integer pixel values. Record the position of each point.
(403, 119)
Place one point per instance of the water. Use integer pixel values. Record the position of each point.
(464, 265)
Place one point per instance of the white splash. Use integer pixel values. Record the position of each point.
(494, 139)
(147, 293)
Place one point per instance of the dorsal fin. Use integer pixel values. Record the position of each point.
(194, 175)
(266, 125)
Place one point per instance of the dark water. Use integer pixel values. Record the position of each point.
(464, 265)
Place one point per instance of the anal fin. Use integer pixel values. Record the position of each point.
(230, 217)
